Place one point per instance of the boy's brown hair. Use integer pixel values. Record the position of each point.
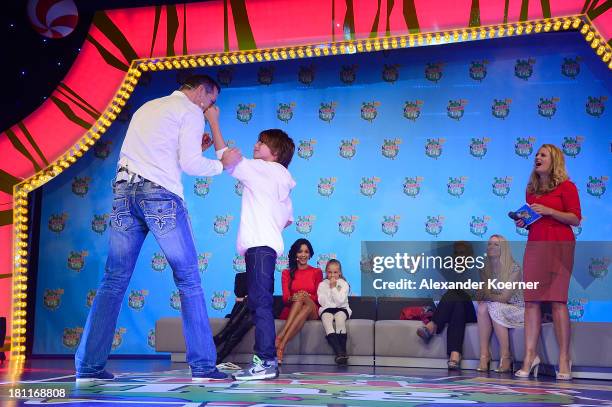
(280, 144)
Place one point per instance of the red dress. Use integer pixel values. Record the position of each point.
(549, 254)
(307, 280)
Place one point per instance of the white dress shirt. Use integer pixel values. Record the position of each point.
(164, 138)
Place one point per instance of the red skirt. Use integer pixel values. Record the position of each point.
(548, 265)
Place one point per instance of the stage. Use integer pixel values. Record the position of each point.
(157, 382)
(416, 125)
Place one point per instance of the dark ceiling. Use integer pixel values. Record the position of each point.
(33, 64)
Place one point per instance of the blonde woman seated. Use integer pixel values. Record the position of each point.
(499, 310)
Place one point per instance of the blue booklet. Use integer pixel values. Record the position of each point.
(527, 214)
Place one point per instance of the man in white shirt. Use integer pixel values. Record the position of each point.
(164, 139)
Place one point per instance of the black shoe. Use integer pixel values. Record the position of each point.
(334, 342)
(454, 364)
(209, 376)
(342, 357)
(341, 360)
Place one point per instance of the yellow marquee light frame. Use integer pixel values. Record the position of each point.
(21, 190)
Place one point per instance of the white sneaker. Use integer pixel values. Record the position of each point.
(259, 370)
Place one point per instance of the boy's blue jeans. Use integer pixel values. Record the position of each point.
(140, 207)
(260, 264)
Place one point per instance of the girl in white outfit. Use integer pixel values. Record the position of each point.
(334, 311)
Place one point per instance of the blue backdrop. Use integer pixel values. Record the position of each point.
(433, 143)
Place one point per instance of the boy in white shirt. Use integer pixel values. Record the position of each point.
(266, 211)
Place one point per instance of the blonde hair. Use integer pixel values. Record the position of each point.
(558, 173)
(505, 258)
(336, 261)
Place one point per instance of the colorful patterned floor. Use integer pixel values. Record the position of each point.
(300, 387)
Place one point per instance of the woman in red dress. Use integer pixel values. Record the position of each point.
(549, 254)
(300, 283)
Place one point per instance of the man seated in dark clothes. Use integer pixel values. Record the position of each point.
(239, 321)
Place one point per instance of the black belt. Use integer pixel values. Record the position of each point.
(125, 175)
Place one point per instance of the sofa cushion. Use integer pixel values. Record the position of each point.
(399, 338)
(590, 343)
(360, 337)
(169, 335)
(312, 339)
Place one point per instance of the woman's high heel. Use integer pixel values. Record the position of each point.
(565, 376)
(454, 364)
(508, 369)
(535, 365)
(486, 366)
(280, 349)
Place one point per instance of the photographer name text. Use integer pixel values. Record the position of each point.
(430, 284)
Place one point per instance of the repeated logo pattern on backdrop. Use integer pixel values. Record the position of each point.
(420, 144)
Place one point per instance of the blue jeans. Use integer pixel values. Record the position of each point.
(140, 207)
(260, 263)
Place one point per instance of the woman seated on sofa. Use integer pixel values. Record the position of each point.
(499, 310)
(300, 283)
(455, 309)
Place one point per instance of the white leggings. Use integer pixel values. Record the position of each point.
(328, 320)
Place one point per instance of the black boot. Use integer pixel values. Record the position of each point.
(220, 337)
(234, 338)
(333, 341)
(239, 312)
(342, 359)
